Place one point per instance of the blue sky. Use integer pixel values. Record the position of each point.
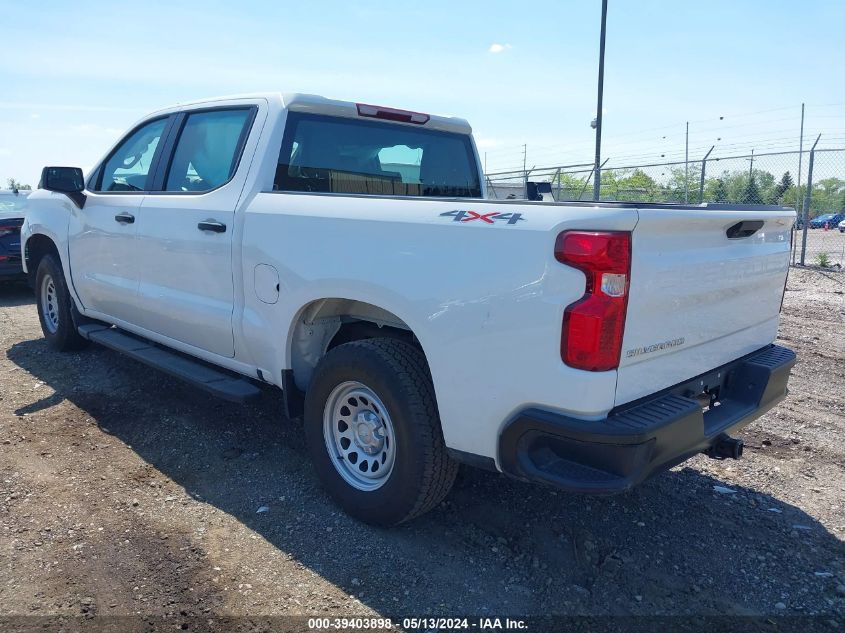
(76, 75)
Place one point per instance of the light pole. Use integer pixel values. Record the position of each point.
(597, 179)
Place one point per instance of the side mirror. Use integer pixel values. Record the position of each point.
(66, 180)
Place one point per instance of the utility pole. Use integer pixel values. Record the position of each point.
(686, 168)
(751, 168)
(597, 180)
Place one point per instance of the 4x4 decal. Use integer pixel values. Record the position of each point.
(487, 218)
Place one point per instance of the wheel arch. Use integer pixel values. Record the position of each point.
(35, 248)
(325, 323)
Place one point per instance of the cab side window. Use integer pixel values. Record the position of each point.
(128, 168)
(208, 150)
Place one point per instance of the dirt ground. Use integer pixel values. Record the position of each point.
(819, 242)
(125, 492)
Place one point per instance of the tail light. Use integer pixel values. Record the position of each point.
(392, 114)
(593, 326)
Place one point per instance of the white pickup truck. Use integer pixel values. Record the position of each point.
(346, 254)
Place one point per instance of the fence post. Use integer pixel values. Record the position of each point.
(586, 182)
(703, 166)
(686, 169)
(798, 183)
(491, 188)
(807, 198)
(557, 177)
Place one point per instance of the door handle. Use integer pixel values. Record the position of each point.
(125, 218)
(746, 228)
(212, 225)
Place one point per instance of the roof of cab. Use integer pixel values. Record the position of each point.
(321, 105)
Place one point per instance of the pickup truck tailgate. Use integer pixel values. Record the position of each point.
(703, 292)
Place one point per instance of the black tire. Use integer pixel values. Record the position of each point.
(422, 472)
(58, 317)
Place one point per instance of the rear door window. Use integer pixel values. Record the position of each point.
(208, 150)
(345, 155)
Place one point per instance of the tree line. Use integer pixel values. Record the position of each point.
(14, 185)
(755, 186)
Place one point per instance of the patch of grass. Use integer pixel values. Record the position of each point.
(823, 260)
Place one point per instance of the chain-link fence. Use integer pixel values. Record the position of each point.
(769, 178)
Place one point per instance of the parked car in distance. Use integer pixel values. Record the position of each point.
(830, 219)
(346, 254)
(842, 226)
(12, 207)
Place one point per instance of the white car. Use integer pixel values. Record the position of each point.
(346, 253)
(841, 226)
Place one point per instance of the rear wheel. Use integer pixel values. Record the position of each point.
(55, 307)
(374, 433)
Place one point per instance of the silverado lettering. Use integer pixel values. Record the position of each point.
(648, 349)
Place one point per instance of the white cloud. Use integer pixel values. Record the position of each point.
(498, 48)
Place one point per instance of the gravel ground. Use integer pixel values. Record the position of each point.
(124, 492)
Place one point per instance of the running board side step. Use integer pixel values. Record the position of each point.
(195, 372)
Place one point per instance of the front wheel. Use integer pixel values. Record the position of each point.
(55, 306)
(374, 433)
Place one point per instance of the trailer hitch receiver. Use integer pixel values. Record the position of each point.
(725, 446)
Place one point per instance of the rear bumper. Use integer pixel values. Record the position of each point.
(11, 268)
(650, 435)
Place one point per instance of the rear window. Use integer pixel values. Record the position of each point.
(337, 155)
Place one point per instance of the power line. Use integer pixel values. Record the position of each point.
(517, 173)
(758, 143)
(695, 132)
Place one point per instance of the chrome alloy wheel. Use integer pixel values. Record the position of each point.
(49, 303)
(359, 436)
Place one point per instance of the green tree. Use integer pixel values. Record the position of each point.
(831, 186)
(766, 184)
(733, 183)
(570, 186)
(637, 186)
(827, 195)
(609, 185)
(720, 192)
(14, 184)
(751, 193)
(679, 182)
(786, 183)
